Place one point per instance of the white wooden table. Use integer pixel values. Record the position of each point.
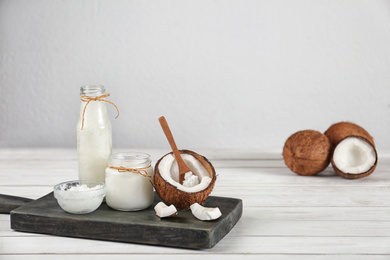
(285, 216)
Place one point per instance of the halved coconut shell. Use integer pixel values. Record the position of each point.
(353, 160)
(307, 152)
(354, 157)
(181, 199)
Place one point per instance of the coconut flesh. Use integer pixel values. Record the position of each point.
(354, 157)
(203, 213)
(164, 211)
(169, 170)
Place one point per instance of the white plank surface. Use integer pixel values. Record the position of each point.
(285, 216)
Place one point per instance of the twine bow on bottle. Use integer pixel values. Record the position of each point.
(141, 171)
(99, 98)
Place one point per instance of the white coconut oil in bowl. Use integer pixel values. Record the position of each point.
(80, 197)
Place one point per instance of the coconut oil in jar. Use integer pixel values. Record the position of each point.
(94, 135)
(129, 181)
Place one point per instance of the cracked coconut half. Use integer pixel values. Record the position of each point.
(354, 155)
(166, 180)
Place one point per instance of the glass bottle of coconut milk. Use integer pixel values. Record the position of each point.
(94, 136)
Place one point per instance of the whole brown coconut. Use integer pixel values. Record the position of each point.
(307, 152)
(339, 131)
(182, 200)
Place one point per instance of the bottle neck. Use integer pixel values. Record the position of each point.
(92, 90)
(93, 113)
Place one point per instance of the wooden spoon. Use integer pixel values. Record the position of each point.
(183, 168)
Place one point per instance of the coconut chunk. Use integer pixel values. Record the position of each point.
(354, 156)
(203, 213)
(163, 211)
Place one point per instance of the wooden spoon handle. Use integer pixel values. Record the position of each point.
(183, 168)
(168, 134)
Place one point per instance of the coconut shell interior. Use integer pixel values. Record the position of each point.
(180, 199)
(360, 175)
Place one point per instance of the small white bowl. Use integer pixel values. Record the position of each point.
(80, 197)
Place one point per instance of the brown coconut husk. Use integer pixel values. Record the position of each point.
(180, 199)
(307, 152)
(339, 131)
(360, 175)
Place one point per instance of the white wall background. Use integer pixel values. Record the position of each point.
(226, 74)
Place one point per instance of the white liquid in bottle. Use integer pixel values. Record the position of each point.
(94, 141)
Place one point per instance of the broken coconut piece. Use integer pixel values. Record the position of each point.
(164, 211)
(307, 152)
(354, 157)
(203, 213)
(166, 180)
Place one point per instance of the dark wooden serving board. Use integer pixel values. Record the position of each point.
(184, 230)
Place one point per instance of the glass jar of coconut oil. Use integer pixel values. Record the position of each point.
(129, 181)
(94, 136)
